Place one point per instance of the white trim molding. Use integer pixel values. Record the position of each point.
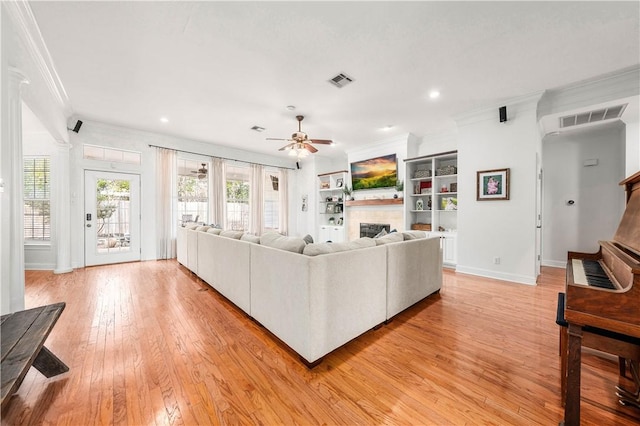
(28, 30)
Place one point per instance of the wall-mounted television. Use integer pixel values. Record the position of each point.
(379, 172)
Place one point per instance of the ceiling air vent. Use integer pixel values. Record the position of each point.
(592, 116)
(258, 128)
(340, 80)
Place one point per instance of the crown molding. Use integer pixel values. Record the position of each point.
(522, 103)
(28, 31)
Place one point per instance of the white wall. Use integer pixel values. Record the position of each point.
(599, 200)
(437, 143)
(504, 229)
(303, 182)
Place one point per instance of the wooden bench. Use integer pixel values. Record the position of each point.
(23, 334)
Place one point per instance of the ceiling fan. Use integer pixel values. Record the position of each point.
(300, 143)
(201, 173)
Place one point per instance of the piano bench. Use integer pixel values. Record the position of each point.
(625, 347)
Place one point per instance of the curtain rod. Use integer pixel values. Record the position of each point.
(223, 158)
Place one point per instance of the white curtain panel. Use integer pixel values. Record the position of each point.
(283, 189)
(166, 208)
(256, 222)
(218, 192)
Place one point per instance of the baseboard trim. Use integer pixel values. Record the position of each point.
(555, 263)
(515, 278)
(39, 267)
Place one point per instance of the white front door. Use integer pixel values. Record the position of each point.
(111, 217)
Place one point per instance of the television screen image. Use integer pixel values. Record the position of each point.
(379, 172)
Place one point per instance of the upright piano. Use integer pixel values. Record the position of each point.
(603, 292)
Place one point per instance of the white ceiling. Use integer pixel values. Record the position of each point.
(215, 69)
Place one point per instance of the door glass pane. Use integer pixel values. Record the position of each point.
(113, 209)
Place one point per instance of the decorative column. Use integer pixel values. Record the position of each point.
(12, 207)
(62, 201)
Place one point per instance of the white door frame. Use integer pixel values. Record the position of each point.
(125, 248)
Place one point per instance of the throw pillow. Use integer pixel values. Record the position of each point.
(236, 235)
(414, 235)
(275, 240)
(394, 237)
(308, 239)
(327, 248)
(204, 228)
(381, 233)
(215, 231)
(251, 238)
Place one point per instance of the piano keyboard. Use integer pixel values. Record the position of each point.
(590, 272)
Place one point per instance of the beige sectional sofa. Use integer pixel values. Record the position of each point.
(318, 301)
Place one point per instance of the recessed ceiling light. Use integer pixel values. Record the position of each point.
(258, 128)
(434, 94)
(164, 119)
(291, 107)
(387, 127)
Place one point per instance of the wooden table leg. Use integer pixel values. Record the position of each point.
(563, 363)
(49, 364)
(572, 404)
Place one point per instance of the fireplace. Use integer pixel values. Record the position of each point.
(373, 229)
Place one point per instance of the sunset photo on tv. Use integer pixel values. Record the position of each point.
(379, 172)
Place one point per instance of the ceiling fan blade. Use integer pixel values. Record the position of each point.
(277, 139)
(286, 146)
(310, 148)
(322, 141)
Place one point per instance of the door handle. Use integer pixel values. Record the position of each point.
(88, 225)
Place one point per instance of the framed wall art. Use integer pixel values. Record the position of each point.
(492, 185)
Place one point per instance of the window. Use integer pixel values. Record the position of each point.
(37, 190)
(237, 178)
(114, 155)
(271, 201)
(193, 191)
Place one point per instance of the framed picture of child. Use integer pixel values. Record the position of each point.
(492, 185)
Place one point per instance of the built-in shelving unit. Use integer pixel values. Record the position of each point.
(431, 193)
(331, 215)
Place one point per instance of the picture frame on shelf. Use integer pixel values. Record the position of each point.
(339, 182)
(492, 185)
(331, 208)
(449, 203)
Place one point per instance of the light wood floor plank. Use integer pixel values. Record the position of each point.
(149, 343)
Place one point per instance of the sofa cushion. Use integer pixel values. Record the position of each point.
(414, 235)
(215, 231)
(191, 226)
(326, 248)
(275, 240)
(251, 238)
(308, 239)
(236, 235)
(394, 237)
(203, 228)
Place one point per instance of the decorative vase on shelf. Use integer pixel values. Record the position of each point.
(419, 204)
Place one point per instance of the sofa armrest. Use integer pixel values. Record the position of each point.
(414, 271)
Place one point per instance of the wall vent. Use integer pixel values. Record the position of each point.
(592, 116)
(341, 80)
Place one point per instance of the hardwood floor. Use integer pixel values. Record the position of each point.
(149, 343)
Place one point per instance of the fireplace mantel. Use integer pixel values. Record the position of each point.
(381, 202)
